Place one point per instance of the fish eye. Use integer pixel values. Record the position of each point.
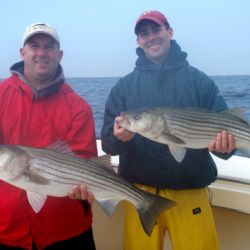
(137, 116)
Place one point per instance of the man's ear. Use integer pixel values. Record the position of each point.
(60, 54)
(21, 52)
(170, 32)
(138, 41)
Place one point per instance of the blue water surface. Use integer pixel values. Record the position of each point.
(95, 90)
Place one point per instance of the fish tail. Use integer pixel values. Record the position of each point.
(149, 215)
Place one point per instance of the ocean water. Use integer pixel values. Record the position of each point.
(235, 90)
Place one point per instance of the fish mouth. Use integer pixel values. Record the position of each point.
(125, 122)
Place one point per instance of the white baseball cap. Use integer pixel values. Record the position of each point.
(38, 28)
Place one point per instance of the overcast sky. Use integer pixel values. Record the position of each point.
(98, 40)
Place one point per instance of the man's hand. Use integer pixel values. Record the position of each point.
(121, 133)
(223, 143)
(80, 192)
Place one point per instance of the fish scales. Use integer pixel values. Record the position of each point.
(72, 175)
(186, 126)
(64, 169)
(72, 165)
(211, 130)
(186, 122)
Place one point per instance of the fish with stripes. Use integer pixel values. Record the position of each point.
(54, 171)
(193, 128)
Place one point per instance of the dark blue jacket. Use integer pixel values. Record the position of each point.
(172, 83)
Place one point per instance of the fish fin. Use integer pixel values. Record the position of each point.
(36, 200)
(33, 176)
(39, 179)
(61, 147)
(149, 215)
(108, 205)
(177, 152)
(238, 112)
(105, 160)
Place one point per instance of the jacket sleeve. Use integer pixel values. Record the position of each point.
(114, 106)
(81, 135)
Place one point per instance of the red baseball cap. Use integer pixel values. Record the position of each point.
(151, 15)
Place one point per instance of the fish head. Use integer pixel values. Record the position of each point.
(142, 121)
(9, 167)
(136, 121)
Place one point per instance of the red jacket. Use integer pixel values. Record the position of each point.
(39, 122)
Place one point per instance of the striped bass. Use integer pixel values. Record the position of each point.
(182, 128)
(42, 172)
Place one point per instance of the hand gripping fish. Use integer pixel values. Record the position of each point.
(42, 172)
(182, 128)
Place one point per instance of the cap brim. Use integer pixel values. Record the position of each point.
(40, 32)
(155, 20)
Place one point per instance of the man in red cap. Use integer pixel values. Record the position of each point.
(163, 77)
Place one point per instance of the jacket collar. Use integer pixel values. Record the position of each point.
(53, 88)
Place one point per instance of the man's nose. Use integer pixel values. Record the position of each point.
(41, 51)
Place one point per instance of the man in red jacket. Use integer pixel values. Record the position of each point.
(38, 108)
